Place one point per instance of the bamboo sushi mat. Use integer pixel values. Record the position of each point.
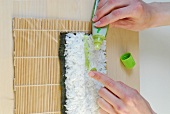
(37, 86)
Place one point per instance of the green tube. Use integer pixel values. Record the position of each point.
(99, 34)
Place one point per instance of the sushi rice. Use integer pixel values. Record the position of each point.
(81, 90)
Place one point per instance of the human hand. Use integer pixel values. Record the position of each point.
(133, 15)
(118, 98)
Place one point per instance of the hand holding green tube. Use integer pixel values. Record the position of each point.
(99, 34)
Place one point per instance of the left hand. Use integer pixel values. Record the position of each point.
(133, 15)
(118, 98)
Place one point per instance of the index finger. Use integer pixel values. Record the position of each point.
(112, 85)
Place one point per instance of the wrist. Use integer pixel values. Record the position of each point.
(160, 14)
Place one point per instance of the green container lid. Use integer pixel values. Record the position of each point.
(128, 60)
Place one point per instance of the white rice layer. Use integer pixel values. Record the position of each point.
(81, 90)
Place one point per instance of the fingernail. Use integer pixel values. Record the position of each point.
(91, 74)
(95, 18)
(97, 23)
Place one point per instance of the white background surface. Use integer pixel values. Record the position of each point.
(155, 66)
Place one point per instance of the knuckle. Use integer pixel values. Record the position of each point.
(136, 92)
(131, 98)
(139, 7)
(99, 100)
(101, 3)
(104, 19)
(109, 83)
(128, 98)
(132, 101)
(121, 109)
(101, 91)
(98, 77)
(99, 13)
(111, 1)
(116, 13)
(121, 83)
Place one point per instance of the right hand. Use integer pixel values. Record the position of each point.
(118, 98)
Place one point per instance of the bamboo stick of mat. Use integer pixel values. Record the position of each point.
(36, 63)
